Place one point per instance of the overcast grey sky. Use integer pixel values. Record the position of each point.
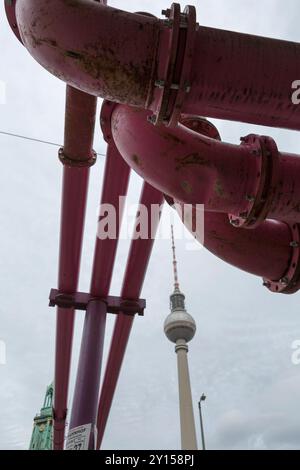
(241, 355)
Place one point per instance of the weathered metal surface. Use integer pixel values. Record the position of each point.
(10, 9)
(137, 263)
(289, 282)
(125, 58)
(241, 77)
(80, 301)
(101, 50)
(265, 251)
(84, 408)
(78, 142)
(253, 180)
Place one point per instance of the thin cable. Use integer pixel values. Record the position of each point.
(47, 142)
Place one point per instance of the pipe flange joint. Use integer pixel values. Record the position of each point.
(173, 75)
(200, 125)
(290, 281)
(63, 416)
(260, 193)
(105, 119)
(76, 163)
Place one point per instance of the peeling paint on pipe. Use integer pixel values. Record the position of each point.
(74, 197)
(126, 57)
(137, 263)
(196, 169)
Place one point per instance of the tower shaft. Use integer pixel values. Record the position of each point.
(187, 419)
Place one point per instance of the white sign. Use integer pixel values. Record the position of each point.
(78, 438)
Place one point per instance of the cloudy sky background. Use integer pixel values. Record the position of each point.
(241, 355)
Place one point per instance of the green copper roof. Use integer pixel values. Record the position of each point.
(41, 438)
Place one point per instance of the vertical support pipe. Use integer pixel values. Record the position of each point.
(79, 134)
(80, 117)
(86, 393)
(84, 409)
(138, 259)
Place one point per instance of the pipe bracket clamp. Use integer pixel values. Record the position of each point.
(290, 282)
(75, 163)
(174, 65)
(259, 198)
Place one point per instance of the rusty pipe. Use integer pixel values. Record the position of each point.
(169, 66)
(271, 251)
(251, 182)
(77, 155)
(136, 268)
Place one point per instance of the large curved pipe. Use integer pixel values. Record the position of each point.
(265, 251)
(271, 251)
(195, 169)
(168, 66)
(251, 180)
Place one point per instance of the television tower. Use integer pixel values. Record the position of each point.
(180, 328)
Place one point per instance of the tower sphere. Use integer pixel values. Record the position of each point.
(180, 325)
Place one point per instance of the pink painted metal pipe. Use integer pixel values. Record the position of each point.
(85, 401)
(138, 259)
(77, 146)
(194, 169)
(175, 66)
(252, 181)
(271, 251)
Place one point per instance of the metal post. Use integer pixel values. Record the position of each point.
(203, 398)
(84, 409)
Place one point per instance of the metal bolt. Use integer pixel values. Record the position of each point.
(294, 244)
(285, 281)
(174, 86)
(166, 12)
(152, 119)
(159, 83)
(250, 198)
(168, 23)
(234, 222)
(267, 284)
(187, 87)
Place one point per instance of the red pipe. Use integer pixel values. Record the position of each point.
(253, 181)
(84, 409)
(138, 259)
(115, 185)
(174, 66)
(264, 252)
(270, 251)
(79, 135)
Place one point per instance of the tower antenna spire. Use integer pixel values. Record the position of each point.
(176, 281)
